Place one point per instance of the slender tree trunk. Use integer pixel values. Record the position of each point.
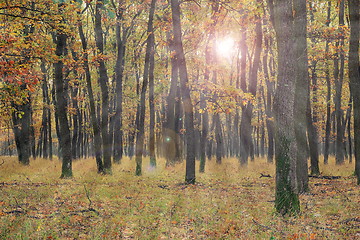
(348, 120)
(152, 100)
(185, 93)
(93, 116)
(44, 142)
(119, 69)
(328, 95)
(209, 51)
(339, 77)
(269, 103)
(313, 143)
(139, 148)
(311, 115)
(246, 144)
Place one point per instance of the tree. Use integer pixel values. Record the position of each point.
(119, 70)
(185, 93)
(61, 101)
(354, 75)
(103, 82)
(339, 78)
(139, 148)
(302, 95)
(328, 94)
(286, 197)
(246, 142)
(93, 117)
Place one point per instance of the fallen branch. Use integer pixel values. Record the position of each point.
(325, 177)
(323, 228)
(346, 221)
(90, 209)
(2, 162)
(264, 175)
(88, 196)
(15, 212)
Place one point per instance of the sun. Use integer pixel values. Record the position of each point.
(225, 47)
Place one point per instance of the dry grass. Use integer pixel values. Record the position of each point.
(228, 202)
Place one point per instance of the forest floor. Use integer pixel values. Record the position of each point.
(227, 202)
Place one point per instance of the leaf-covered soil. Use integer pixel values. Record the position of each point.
(227, 202)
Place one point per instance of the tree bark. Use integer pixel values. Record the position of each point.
(185, 93)
(328, 95)
(139, 148)
(302, 94)
(61, 107)
(151, 98)
(94, 120)
(339, 77)
(119, 70)
(246, 143)
(354, 75)
(103, 82)
(286, 197)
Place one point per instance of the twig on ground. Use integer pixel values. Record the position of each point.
(88, 196)
(354, 219)
(325, 177)
(264, 175)
(90, 208)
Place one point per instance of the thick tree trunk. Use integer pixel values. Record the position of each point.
(354, 75)
(21, 129)
(61, 107)
(103, 82)
(286, 197)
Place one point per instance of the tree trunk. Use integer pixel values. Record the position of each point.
(328, 95)
(139, 148)
(119, 69)
(339, 77)
(302, 94)
(286, 197)
(246, 143)
(269, 103)
(103, 82)
(185, 93)
(171, 137)
(152, 100)
(354, 76)
(61, 107)
(94, 120)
